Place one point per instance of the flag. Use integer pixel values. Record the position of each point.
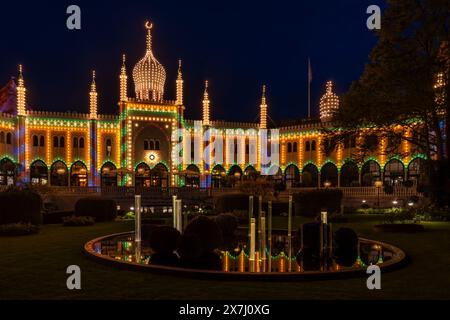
(309, 71)
(8, 97)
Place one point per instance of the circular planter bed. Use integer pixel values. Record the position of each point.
(399, 227)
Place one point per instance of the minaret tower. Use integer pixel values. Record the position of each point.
(263, 110)
(206, 105)
(21, 93)
(179, 100)
(123, 81)
(93, 99)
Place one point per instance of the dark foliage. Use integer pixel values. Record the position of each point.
(207, 231)
(310, 203)
(100, 209)
(164, 239)
(20, 206)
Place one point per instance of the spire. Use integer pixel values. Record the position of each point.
(93, 98)
(149, 26)
(21, 93)
(123, 81)
(263, 110)
(206, 105)
(179, 84)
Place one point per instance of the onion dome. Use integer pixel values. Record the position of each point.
(148, 74)
(329, 103)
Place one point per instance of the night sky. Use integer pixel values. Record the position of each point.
(236, 45)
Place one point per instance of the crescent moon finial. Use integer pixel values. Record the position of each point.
(148, 25)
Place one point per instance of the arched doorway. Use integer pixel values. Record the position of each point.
(234, 175)
(275, 174)
(292, 175)
(310, 176)
(59, 174)
(108, 174)
(415, 170)
(349, 174)
(329, 174)
(370, 172)
(218, 176)
(142, 175)
(394, 172)
(250, 173)
(78, 175)
(192, 176)
(7, 172)
(39, 173)
(159, 176)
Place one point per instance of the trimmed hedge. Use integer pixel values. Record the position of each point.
(98, 208)
(309, 203)
(207, 231)
(20, 207)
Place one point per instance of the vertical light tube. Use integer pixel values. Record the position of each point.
(179, 226)
(174, 208)
(290, 234)
(252, 245)
(250, 214)
(269, 236)
(263, 243)
(137, 220)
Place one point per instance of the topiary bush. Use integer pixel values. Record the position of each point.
(345, 246)
(207, 231)
(309, 203)
(163, 242)
(100, 209)
(190, 249)
(20, 206)
(228, 224)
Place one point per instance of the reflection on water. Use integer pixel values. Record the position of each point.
(124, 248)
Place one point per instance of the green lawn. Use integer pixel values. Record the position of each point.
(33, 267)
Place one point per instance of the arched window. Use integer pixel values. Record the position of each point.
(152, 145)
(55, 142)
(145, 144)
(294, 147)
(313, 145)
(81, 143)
(42, 141)
(8, 138)
(2, 137)
(62, 142)
(35, 141)
(109, 147)
(75, 142)
(157, 145)
(307, 146)
(289, 147)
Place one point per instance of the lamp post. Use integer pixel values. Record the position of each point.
(378, 185)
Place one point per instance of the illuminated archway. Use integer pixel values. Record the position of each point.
(78, 175)
(349, 174)
(370, 172)
(310, 176)
(394, 172)
(38, 173)
(218, 176)
(142, 175)
(7, 172)
(59, 174)
(329, 174)
(416, 168)
(108, 174)
(292, 175)
(192, 176)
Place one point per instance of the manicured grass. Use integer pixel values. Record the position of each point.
(33, 267)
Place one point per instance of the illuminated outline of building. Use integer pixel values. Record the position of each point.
(137, 147)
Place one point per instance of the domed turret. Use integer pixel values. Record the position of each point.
(149, 75)
(329, 103)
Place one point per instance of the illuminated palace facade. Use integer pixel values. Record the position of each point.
(137, 147)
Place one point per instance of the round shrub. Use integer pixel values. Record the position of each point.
(20, 207)
(146, 231)
(311, 237)
(207, 231)
(164, 239)
(98, 208)
(227, 223)
(346, 247)
(189, 249)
